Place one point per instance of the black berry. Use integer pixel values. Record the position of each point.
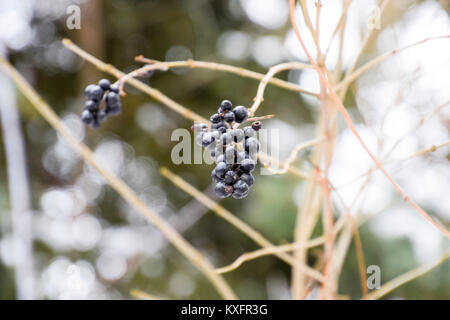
(223, 190)
(229, 117)
(240, 114)
(225, 106)
(231, 177)
(104, 84)
(248, 179)
(233, 149)
(247, 165)
(216, 118)
(257, 125)
(114, 88)
(240, 187)
(87, 117)
(221, 169)
(237, 134)
(249, 132)
(251, 145)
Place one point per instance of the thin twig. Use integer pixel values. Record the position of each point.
(269, 116)
(310, 26)
(269, 75)
(248, 256)
(117, 184)
(339, 26)
(139, 294)
(284, 166)
(194, 64)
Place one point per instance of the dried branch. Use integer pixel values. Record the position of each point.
(248, 256)
(269, 75)
(194, 64)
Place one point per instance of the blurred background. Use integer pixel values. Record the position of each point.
(88, 243)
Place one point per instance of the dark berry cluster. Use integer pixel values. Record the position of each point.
(93, 112)
(234, 150)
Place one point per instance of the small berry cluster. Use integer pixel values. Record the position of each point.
(95, 94)
(234, 150)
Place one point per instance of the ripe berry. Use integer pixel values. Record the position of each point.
(115, 109)
(114, 88)
(221, 169)
(199, 138)
(231, 177)
(207, 139)
(240, 157)
(237, 134)
(234, 150)
(104, 84)
(90, 105)
(197, 127)
(214, 177)
(249, 132)
(218, 125)
(223, 190)
(87, 117)
(257, 125)
(248, 179)
(225, 106)
(247, 165)
(251, 155)
(112, 98)
(96, 93)
(229, 117)
(240, 114)
(251, 145)
(216, 118)
(222, 130)
(230, 154)
(87, 91)
(226, 138)
(240, 187)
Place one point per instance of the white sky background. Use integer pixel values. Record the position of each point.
(391, 98)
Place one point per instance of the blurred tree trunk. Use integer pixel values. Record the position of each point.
(19, 190)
